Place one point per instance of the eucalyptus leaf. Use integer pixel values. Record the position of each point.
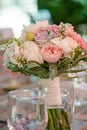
(13, 67)
(32, 64)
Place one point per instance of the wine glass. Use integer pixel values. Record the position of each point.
(26, 110)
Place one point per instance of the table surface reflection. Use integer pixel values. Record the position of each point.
(76, 125)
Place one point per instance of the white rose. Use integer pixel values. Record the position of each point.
(12, 53)
(30, 52)
(67, 44)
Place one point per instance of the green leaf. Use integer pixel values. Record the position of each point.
(36, 71)
(77, 53)
(63, 65)
(32, 64)
(13, 67)
(28, 70)
(80, 58)
(75, 70)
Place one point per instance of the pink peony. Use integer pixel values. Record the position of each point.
(51, 53)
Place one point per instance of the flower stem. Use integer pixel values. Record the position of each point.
(58, 119)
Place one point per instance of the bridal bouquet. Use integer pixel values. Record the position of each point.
(47, 51)
(42, 48)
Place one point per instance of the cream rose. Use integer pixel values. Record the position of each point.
(31, 52)
(67, 44)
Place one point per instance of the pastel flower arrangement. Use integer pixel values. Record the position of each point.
(48, 51)
(43, 47)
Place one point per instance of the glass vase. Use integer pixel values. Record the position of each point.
(60, 103)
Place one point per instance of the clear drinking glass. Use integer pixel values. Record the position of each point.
(26, 110)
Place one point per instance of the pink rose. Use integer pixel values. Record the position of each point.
(51, 53)
(42, 24)
(71, 33)
(34, 29)
(37, 26)
(79, 40)
(53, 29)
(31, 28)
(69, 29)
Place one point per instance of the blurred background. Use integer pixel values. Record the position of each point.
(16, 13)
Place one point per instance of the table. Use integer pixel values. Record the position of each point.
(76, 125)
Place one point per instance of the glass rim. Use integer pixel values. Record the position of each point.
(19, 90)
(32, 93)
